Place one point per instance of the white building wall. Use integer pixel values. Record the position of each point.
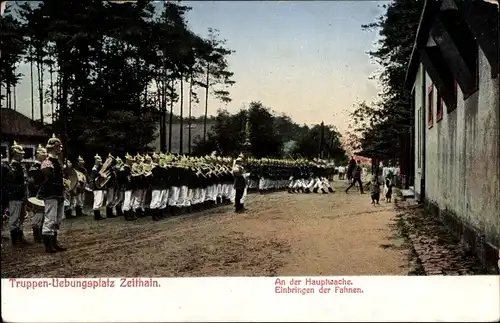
(462, 171)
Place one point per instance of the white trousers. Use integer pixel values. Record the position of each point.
(17, 214)
(138, 199)
(127, 201)
(53, 216)
(98, 200)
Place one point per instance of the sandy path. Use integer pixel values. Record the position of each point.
(281, 234)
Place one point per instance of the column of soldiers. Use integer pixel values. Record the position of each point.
(159, 185)
(139, 186)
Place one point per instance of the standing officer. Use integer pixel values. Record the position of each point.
(17, 194)
(52, 193)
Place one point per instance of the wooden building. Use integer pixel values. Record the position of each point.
(454, 79)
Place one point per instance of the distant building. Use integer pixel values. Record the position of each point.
(454, 79)
(15, 126)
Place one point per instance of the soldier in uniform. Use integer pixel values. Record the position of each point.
(17, 194)
(79, 197)
(239, 185)
(138, 187)
(98, 192)
(125, 179)
(36, 179)
(119, 189)
(52, 193)
(111, 187)
(158, 188)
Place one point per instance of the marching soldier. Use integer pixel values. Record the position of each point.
(119, 188)
(111, 187)
(138, 186)
(125, 180)
(36, 179)
(239, 185)
(158, 188)
(17, 194)
(79, 197)
(98, 192)
(52, 193)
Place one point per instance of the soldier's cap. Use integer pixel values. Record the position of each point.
(54, 142)
(17, 149)
(80, 159)
(128, 157)
(97, 157)
(40, 150)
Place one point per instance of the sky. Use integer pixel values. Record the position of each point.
(303, 58)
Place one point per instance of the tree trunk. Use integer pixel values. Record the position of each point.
(206, 103)
(51, 71)
(14, 95)
(171, 117)
(190, 115)
(181, 131)
(39, 68)
(32, 90)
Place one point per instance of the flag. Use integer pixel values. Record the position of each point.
(3, 5)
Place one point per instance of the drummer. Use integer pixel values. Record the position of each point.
(35, 180)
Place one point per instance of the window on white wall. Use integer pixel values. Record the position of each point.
(29, 153)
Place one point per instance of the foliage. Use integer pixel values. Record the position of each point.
(117, 67)
(380, 125)
(270, 135)
(12, 48)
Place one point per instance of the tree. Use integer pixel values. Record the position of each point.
(310, 145)
(12, 49)
(216, 71)
(382, 124)
(114, 68)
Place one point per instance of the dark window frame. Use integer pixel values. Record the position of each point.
(430, 105)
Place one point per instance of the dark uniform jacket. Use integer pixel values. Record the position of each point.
(36, 178)
(53, 185)
(239, 181)
(16, 180)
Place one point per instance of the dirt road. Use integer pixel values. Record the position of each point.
(281, 234)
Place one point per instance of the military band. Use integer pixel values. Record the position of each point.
(152, 185)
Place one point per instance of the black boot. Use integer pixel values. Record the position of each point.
(119, 212)
(97, 215)
(131, 215)
(109, 213)
(37, 237)
(154, 214)
(20, 238)
(56, 246)
(330, 190)
(68, 213)
(323, 191)
(79, 211)
(47, 242)
(14, 237)
(315, 190)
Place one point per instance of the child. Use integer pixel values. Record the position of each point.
(388, 193)
(375, 189)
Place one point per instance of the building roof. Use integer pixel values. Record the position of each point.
(424, 27)
(15, 123)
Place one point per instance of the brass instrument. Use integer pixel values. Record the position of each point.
(105, 172)
(137, 170)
